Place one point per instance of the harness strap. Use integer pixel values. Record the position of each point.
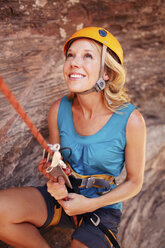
(91, 182)
(94, 219)
(57, 216)
(96, 176)
(98, 180)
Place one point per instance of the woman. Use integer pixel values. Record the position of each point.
(104, 132)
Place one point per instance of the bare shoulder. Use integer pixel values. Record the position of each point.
(136, 120)
(52, 123)
(136, 127)
(53, 113)
(54, 107)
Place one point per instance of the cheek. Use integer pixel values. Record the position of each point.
(95, 66)
(94, 71)
(64, 68)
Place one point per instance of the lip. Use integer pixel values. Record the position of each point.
(76, 76)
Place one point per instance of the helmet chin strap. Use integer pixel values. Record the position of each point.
(100, 84)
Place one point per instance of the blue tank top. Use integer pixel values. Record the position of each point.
(100, 153)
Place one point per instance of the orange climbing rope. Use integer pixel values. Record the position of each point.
(13, 101)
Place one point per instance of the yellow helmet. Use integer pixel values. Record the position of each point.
(101, 35)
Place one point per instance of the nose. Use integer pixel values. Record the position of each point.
(76, 62)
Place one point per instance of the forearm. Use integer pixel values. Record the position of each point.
(124, 191)
(78, 204)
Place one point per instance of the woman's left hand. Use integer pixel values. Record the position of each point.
(76, 204)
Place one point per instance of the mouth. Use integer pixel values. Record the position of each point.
(76, 76)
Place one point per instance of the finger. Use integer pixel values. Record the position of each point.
(61, 180)
(72, 195)
(50, 183)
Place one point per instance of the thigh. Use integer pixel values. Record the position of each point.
(24, 204)
(56, 215)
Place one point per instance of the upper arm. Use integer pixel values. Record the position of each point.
(135, 147)
(52, 123)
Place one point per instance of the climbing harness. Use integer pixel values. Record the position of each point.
(104, 181)
(87, 181)
(77, 182)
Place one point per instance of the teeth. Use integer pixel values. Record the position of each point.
(75, 76)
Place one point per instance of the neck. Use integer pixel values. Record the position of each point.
(90, 105)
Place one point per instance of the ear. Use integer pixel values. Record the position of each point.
(105, 76)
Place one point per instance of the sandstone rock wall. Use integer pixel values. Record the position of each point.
(32, 35)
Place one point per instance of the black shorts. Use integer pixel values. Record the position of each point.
(86, 232)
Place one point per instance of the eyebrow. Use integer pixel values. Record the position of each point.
(86, 50)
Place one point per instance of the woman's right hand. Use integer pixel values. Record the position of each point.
(57, 189)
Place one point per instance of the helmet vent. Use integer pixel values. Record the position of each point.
(102, 33)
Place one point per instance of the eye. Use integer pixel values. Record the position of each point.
(69, 55)
(88, 55)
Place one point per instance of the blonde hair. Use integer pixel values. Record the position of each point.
(115, 95)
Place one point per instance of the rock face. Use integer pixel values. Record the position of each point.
(32, 35)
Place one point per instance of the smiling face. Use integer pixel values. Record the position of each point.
(82, 65)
